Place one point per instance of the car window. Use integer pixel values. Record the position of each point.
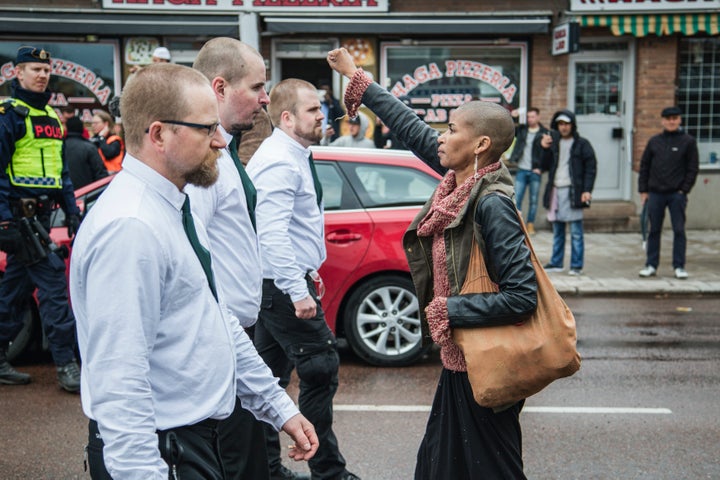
(337, 193)
(387, 185)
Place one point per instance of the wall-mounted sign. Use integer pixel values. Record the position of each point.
(452, 75)
(266, 6)
(640, 5)
(82, 74)
(566, 38)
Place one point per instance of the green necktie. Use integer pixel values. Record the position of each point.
(248, 187)
(201, 252)
(316, 180)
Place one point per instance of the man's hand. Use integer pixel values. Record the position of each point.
(585, 197)
(643, 198)
(303, 433)
(546, 140)
(10, 238)
(342, 62)
(73, 223)
(305, 308)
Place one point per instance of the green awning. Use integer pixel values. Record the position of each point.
(666, 24)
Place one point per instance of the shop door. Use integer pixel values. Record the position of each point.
(600, 95)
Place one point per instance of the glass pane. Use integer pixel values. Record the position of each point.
(388, 185)
(699, 89)
(598, 88)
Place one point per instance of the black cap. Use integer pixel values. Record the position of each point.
(671, 112)
(27, 54)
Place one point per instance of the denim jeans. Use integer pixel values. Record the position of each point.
(577, 243)
(523, 179)
(676, 203)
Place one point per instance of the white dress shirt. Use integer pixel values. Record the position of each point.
(289, 220)
(157, 349)
(233, 241)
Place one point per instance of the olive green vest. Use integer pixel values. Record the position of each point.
(37, 161)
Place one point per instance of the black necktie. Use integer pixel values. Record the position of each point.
(248, 187)
(316, 180)
(202, 253)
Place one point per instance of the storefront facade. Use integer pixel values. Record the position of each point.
(435, 54)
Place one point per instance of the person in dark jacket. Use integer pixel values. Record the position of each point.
(570, 159)
(527, 155)
(668, 169)
(333, 112)
(81, 156)
(474, 200)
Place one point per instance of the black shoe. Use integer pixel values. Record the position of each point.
(69, 377)
(284, 473)
(10, 376)
(348, 476)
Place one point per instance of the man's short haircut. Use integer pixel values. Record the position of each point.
(224, 57)
(284, 97)
(534, 109)
(156, 92)
(492, 120)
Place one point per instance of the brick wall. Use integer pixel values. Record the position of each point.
(547, 82)
(656, 69)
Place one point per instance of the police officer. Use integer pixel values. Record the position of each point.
(33, 179)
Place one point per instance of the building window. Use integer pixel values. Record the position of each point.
(436, 78)
(699, 92)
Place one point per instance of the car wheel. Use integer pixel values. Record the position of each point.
(382, 321)
(25, 337)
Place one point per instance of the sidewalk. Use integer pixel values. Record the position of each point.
(613, 260)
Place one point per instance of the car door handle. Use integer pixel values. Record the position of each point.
(344, 237)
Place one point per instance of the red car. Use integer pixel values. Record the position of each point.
(370, 198)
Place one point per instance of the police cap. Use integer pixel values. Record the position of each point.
(27, 54)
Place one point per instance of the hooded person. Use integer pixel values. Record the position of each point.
(572, 166)
(357, 127)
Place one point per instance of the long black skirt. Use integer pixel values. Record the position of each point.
(466, 441)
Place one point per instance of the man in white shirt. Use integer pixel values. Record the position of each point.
(163, 360)
(237, 76)
(291, 331)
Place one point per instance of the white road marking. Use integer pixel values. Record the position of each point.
(426, 408)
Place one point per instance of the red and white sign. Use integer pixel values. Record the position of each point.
(72, 71)
(641, 5)
(265, 6)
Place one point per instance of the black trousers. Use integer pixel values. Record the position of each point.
(285, 342)
(676, 203)
(191, 452)
(18, 283)
(242, 446)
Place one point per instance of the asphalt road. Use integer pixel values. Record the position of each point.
(643, 406)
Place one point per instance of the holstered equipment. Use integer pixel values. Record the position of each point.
(36, 240)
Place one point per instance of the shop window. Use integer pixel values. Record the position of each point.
(699, 92)
(83, 74)
(436, 78)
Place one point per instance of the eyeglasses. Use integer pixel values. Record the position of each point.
(211, 128)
